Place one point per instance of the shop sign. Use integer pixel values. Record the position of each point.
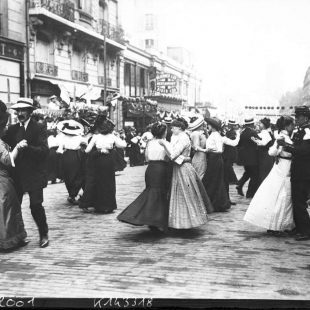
(166, 83)
(11, 50)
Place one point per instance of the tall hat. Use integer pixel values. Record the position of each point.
(195, 122)
(71, 127)
(214, 121)
(302, 110)
(249, 121)
(23, 103)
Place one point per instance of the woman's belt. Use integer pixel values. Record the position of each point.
(283, 157)
(158, 161)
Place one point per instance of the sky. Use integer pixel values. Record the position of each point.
(248, 52)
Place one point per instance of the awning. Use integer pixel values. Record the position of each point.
(140, 109)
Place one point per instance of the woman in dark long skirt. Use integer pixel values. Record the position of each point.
(102, 178)
(72, 157)
(213, 179)
(151, 207)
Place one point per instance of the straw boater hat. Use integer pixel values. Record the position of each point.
(168, 120)
(214, 121)
(71, 127)
(249, 121)
(195, 122)
(231, 122)
(23, 103)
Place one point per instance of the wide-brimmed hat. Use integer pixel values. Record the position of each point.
(23, 103)
(249, 121)
(302, 110)
(214, 122)
(168, 120)
(195, 122)
(71, 127)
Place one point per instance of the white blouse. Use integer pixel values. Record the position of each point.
(275, 151)
(265, 137)
(106, 142)
(155, 151)
(215, 142)
(67, 142)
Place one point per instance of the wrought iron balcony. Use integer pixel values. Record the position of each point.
(47, 69)
(79, 76)
(112, 32)
(62, 8)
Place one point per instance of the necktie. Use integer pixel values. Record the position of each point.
(21, 133)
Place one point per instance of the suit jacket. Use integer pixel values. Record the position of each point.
(230, 152)
(300, 168)
(247, 149)
(31, 169)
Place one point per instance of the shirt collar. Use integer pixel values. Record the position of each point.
(25, 124)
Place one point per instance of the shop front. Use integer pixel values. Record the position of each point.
(139, 113)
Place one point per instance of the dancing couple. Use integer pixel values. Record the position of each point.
(184, 203)
(280, 203)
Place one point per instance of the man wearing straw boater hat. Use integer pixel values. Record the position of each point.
(248, 157)
(300, 171)
(30, 175)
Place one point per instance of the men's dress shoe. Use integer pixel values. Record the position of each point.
(239, 190)
(233, 203)
(44, 242)
(302, 238)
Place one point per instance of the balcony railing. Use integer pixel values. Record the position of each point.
(44, 68)
(79, 76)
(112, 32)
(62, 8)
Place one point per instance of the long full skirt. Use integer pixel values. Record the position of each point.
(213, 181)
(151, 206)
(105, 187)
(12, 230)
(199, 163)
(73, 172)
(271, 207)
(189, 202)
(265, 164)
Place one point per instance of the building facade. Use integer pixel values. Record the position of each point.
(12, 50)
(75, 48)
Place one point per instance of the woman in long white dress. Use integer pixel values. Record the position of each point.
(271, 207)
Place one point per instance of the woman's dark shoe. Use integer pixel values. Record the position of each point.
(302, 238)
(73, 201)
(239, 190)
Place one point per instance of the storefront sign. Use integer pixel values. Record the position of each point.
(11, 50)
(166, 83)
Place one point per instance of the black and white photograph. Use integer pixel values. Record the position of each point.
(155, 153)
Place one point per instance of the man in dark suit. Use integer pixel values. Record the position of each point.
(300, 171)
(248, 157)
(30, 174)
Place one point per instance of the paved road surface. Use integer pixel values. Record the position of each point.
(96, 256)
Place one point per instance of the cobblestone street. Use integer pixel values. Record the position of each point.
(94, 255)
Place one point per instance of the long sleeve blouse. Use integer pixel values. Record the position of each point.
(106, 142)
(276, 151)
